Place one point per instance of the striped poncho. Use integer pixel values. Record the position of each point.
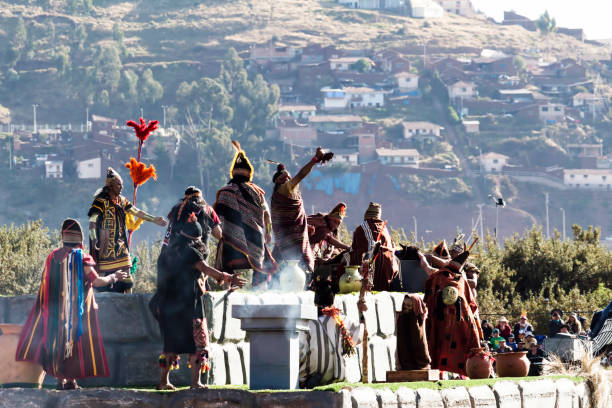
(62, 332)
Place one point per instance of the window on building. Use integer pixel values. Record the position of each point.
(585, 176)
(571, 175)
(544, 108)
(557, 109)
(604, 178)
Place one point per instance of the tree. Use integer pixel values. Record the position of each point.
(20, 35)
(117, 33)
(128, 86)
(62, 60)
(150, 90)
(362, 65)
(106, 70)
(79, 36)
(546, 24)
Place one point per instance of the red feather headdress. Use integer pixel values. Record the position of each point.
(143, 130)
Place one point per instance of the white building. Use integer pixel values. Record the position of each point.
(89, 168)
(594, 179)
(460, 7)
(493, 162)
(421, 130)
(471, 126)
(398, 157)
(346, 156)
(345, 63)
(551, 112)
(406, 82)
(426, 9)
(54, 169)
(352, 98)
(462, 89)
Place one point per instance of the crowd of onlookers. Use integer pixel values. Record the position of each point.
(503, 338)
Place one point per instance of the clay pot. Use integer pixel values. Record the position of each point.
(292, 278)
(513, 364)
(479, 365)
(16, 373)
(350, 281)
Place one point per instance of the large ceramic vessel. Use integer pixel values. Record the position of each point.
(350, 281)
(292, 277)
(13, 373)
(478, 365)
(515, 364)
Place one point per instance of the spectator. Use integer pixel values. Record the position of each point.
(511, 343)
(486, 330)
(522, 346)
(504, 328)
(502, 347)
(555, 322)
(495, 338)
(522, 325)
(574, 324)
(520, 337)
(564, 329)
(536, 357)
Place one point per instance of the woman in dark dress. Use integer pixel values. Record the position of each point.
(180, 312)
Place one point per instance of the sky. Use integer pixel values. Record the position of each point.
(591, 15)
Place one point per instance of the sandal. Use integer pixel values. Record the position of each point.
(199, 387)
(71, 385)
(165, 387)
(60, 386)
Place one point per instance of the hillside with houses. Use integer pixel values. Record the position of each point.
(430, 107)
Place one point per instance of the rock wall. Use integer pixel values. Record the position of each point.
(543, 393)
(133, 343)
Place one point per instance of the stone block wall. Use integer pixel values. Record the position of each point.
(133, 342)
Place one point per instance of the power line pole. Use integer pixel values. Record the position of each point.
(416, 232)
(87, 119)
(164, 107)
(547, 219)
(481, 221)
(563, 215)
(34, 106)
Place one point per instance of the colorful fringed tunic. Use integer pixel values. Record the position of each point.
(290, 226)
(113, 253)
(452, 330)
(241, 207)
(62, 332)
(385, 266)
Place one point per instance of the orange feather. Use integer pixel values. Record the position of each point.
(139, 172)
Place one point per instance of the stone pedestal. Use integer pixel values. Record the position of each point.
(274, 345)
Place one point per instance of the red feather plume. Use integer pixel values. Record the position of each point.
(143, 130)
(139, 171)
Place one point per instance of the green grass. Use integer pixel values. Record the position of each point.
(440, 385)
(336, 387)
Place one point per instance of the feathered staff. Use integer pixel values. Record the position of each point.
(139, 172)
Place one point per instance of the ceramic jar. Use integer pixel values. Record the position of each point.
(478, 365)
(350, 281)
(16, 373)
(514, 364)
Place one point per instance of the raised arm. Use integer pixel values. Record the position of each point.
(147, 217)
(337, 243)
(104, 280)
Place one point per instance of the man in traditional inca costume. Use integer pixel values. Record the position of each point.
(245, 217)
(180, 310)
(470, 271)
(452, 329)
(323, 232)
(330, 341)
(62, 332)
(193, 202)
(109, 215)
(289, 217)
(373, 229)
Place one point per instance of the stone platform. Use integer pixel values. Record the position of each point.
(543, 393)
(133, 343)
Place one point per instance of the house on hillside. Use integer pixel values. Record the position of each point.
(297, 134)
(335, 123)
(352, 98)
(54, 169)
(426, 9)
(515, 95)
(551, 112)
(590, 103)
(471, 126)
(462, 89)
(406, 82)
(593, 179)
(512, 18)
(493, 162)
(347, 156)
(398, 157)
(297, 112)
(495, 65)
(421, 131)
(346, 63)
(364, 138)
(89, 168)
(460, 7)
(265, 53)
(391, 61)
